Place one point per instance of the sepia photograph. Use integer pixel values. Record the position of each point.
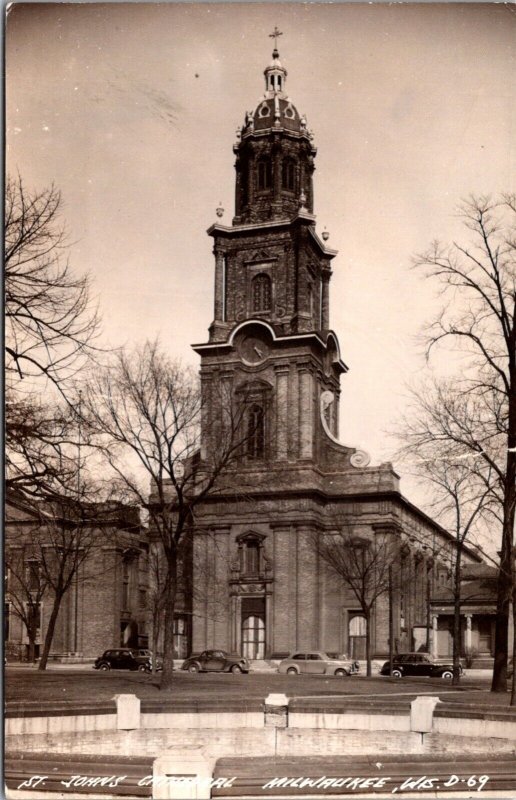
(260, 400)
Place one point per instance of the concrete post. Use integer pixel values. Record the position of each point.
(276, 711)
(434, 635)
(422, 714)
(467, 642)
(127, 712)
(182, 775)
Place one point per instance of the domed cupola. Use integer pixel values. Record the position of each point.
(275, 155)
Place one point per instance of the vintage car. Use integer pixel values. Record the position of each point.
(418, 665)
(316, 662)
(216, 661)
(124, 658)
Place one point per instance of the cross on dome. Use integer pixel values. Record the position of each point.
(274, 35)
(275, 74)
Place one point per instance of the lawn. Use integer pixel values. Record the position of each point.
(33, 687)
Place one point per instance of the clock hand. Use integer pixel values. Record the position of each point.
(257, 351)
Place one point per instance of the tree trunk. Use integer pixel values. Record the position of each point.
(368, 644)
(155, 636)
(391, 622)
(505, 582)
(31, 635)
(506, 571)
(167, 677)
(456, 616)
(513, 689)
(49, 635)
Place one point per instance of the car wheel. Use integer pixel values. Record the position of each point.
(143, 668)
(292, 671)
(236, 670)
(341, 672)
(193, 668)
(397, 673)
(447, 674)
(105, 667)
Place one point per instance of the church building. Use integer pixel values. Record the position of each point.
(260, 587)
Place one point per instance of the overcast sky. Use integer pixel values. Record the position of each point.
(131, 110)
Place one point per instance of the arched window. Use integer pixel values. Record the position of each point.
(261, 292)
(256, 432)
(264, 174)
(357, 636)
(288, 175)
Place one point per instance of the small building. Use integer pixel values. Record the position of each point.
(478, 614)
(106, 603)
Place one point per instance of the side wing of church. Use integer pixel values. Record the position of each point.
(260, 587)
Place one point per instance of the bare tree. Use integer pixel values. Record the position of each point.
(465, 492)
(38, 438)
(479, 282)
(26, 588)
(50, 320)
(51, 325)
(364, 564)
(148, 409)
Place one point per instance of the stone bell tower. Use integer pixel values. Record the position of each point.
(271, 323)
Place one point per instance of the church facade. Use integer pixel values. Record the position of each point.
(260, 586)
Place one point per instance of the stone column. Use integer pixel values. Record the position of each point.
(233, 612)
(225, 404)
(282, 375)
(219, 285)
(435, 618)
(250, 179)
(238, 624)
(467, 640)
(206, 409)
(276, 174)
(305, 413)
(269, 630)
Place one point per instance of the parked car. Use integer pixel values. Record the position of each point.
(124, 658)
(418, 664)
(316, 662)
(216, 661)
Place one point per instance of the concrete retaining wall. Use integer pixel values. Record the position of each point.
(297, 731)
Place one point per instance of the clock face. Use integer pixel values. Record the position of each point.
(253, 349)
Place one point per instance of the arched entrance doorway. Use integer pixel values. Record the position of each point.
(253, 637)
(357, 636)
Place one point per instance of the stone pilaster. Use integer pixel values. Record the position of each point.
(281, 443)
(306, 413)
(219, 286)
(307, 589)
(283, 612)
(325, 301)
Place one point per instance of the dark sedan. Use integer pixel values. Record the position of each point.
(216, 661)
(124, 658)
(417, 665)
